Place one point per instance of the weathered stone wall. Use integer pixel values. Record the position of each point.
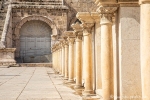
(81, 5)
(129, 47)
(58, 17)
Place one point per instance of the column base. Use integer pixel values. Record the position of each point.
(78, 87)
(66, 78)
(61, 75)
(70, 81)
(92, 97)
(88, 92)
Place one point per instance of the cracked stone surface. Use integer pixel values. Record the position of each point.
(33, 83)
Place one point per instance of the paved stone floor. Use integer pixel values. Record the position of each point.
(33, 83)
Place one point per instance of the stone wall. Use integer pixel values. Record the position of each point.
(129, 48)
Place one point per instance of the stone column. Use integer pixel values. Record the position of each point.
(63, 59)
(78, 62)
(87, 58)
(106, 12)
(87, 24)
(57, 67)
(145, 48)
(78, 54)
(60, 59)
(54, 57)
(66, 60)
(71, 59)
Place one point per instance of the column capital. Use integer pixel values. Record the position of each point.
(79, 38)
(78, 30)
(65, 43)
(77, 27)
(144, 1)
(106, 12)
(87, 28)
(54, 37)
(71, 40)
(71, 37)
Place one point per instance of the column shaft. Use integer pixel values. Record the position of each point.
(87, 45)
(78, 63)
(66, 61)
(71, 60)
(60, 59)
(63, 61)
(106, 57)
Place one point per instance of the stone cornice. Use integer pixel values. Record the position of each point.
(99, 2)
(95, 16)
(107, 8)
(144, 1)
(85, 17)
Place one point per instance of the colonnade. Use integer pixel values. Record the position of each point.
(81, 37)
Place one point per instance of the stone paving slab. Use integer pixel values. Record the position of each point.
(33, 83)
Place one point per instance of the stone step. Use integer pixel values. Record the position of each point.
(35, 64)
(4, 66)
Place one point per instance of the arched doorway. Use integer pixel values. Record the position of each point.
(35, 42)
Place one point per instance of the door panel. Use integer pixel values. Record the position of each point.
(35, 49)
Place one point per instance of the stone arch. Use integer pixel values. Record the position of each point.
(16, 36)
(40, 18)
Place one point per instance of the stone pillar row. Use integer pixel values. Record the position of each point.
(81, 36)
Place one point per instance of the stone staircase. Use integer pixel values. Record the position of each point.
(3, 11)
